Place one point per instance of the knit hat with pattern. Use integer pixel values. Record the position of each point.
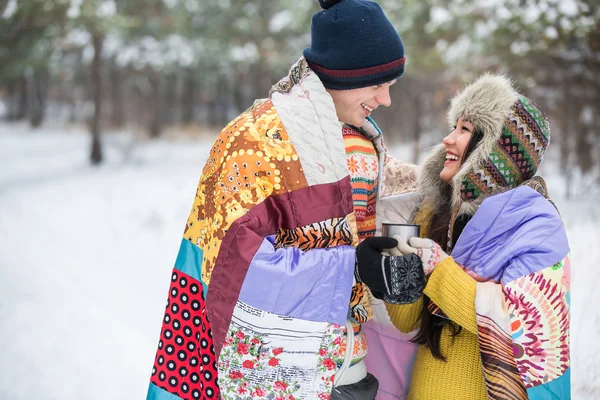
(516, 135)
(354, 45)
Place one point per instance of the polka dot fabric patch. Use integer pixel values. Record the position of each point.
(185, 363)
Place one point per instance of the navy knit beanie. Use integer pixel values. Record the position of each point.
(354, 45)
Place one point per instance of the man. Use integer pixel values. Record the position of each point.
(261, 288)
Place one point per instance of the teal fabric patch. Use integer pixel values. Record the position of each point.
(189, 261)
(557, 389)
(156, 393)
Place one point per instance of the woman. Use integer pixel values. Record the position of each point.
(493, 318)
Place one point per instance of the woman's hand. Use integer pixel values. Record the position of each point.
(430, 253)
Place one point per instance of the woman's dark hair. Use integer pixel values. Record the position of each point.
(432, 325)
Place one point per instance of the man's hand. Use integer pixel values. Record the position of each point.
(397, 279)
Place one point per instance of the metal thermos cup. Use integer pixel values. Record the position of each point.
(405, 231)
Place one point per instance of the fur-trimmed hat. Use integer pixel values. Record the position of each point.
(515, 132)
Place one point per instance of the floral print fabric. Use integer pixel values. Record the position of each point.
(251, 160)
(279, 358)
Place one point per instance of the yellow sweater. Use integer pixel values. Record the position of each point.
(461, 376)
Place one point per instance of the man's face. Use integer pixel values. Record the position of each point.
(354, 105)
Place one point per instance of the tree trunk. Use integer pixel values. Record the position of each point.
(21, 105)
(11, 94)
(222, 102)
(239, 100)
(583, 148)
(213, 105)
(117, 117)
(259, 87)
(170, 110)
(155, 124)
(188, 96)
(417, 128)
(80, 85)
(96, 155)
(38, 93)
(565, 153)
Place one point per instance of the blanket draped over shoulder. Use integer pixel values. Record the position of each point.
(264, 278)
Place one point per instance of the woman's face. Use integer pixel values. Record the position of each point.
(456, 144)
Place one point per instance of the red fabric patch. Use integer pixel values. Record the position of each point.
(356, 73)
(185, 363)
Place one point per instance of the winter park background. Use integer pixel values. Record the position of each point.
(107, 114)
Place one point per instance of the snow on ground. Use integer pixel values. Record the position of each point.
(86, 255)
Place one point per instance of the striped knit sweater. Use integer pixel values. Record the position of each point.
(363, 165)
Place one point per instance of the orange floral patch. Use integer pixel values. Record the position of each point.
(251, 160)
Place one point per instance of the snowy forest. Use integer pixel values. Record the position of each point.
(108, 110)
(160, 66)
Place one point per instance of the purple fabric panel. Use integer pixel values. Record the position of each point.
(519, 228)
(245, 236)
(313, 285)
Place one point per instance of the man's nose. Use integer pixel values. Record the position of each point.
(383, 97)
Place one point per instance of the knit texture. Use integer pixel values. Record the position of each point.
(517, 155)
(459, 378)
(407, 279)
(432, 378)
(395, 279)
(406, 317)
(364, 167)
(451, 288)
(354, 45)
(430, 253)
